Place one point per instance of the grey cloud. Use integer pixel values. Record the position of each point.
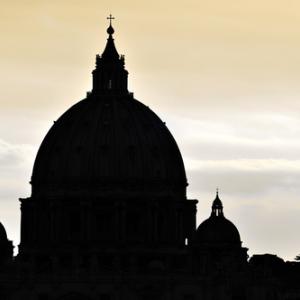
(257, 136)
(252, 178)
(218, 150)
(12, 156)
(15, 167)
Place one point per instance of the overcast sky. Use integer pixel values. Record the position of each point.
(223, 75)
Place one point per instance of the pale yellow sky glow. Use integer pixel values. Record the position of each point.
(224, 75)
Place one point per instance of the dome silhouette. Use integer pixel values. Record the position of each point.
(217, 229)
(109, 143)
(102, 142)
(3, 235)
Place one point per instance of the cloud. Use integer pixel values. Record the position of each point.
(244, 177)
(13, 156)
(16, 164)
(15, 167)
(237, 136)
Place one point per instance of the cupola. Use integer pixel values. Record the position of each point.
(217, 229)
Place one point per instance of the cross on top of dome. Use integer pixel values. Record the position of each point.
(110, 29)
(110, 18)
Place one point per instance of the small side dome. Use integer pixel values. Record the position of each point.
(6, 247)
(217, 229)
(3, 235)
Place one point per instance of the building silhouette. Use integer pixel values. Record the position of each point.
(108, 217)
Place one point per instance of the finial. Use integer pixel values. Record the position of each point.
(217, 192)
(110, 29)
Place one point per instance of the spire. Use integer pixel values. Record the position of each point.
(217, 206)
(110, 75)
(110, 52)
